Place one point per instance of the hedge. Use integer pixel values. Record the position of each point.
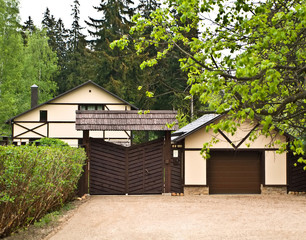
(35, 180)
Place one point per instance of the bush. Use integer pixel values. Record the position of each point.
(35, 180)
(52, 142)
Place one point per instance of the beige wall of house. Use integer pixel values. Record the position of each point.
(87, 94)
(275, 168)
(195, 168)
(63, 109)
(195, 165)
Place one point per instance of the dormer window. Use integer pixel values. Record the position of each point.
(91, 107)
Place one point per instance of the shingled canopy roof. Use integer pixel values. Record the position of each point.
(126, 120)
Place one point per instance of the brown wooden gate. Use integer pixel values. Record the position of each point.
(115, 169)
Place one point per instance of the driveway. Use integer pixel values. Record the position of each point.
(188, 217)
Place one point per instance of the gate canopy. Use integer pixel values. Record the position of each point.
(155, 120)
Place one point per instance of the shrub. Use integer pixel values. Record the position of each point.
(35, 180)
(52, 142)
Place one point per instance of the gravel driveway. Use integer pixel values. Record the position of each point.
(188, 217)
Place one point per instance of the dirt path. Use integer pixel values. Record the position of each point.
(198, 217)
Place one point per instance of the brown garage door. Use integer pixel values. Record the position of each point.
(234, 172)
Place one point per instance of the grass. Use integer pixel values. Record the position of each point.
(53, 216)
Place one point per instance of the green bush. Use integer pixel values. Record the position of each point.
(52, 142)
(35, 180)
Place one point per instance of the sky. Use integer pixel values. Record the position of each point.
(58, 8)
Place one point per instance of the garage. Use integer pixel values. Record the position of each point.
(234, 172)
(247, 162)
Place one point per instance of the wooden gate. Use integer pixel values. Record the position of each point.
(115, 169)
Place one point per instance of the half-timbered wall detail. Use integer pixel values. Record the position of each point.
(273, 164)
(56, 118)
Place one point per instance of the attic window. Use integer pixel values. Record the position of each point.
(43, 116)
(91, 107)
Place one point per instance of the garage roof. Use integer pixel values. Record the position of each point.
(194, 126)
(200, 123)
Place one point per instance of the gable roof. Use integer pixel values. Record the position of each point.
(203, 122)
(69, 91)
(194, 126)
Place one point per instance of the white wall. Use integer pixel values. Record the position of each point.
(275, 168)
(195, 168)
(59, 112)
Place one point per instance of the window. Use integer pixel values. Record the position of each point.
(43, 116)
(91, 107)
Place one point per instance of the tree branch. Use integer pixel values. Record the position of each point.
(282, 106)
(221, 73)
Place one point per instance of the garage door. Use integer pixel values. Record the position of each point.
(234, 172)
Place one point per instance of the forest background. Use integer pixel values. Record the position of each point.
(57, 59)
(243, 58)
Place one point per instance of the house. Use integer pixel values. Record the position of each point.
(56, 117)
(236, 164)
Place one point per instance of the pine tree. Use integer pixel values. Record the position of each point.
(29, 25)
(78, 55)
(112, 66)
(57, 35)
(49, 24)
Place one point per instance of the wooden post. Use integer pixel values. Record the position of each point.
(83, 182)
(167, 161)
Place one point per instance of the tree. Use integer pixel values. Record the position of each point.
(57, 38)
(49, 23)
(22, 65)
(112, 68)
(10, 65)
(28, 26)
(248, 61)
(78, 55)
(39, 67)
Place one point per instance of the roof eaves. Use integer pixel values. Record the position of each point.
(181, 137)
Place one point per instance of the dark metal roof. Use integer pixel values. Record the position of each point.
(194, 126)
(203, 122)
(71, 90)
(155, 120)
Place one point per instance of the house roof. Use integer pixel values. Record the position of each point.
(98, 120)
(71, 90)
(194, 126)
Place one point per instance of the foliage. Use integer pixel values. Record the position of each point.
(51, 142)
(35, 180)
(117, 71)
(25, 59)
(10, 64)
(39, 67)
(248, 60)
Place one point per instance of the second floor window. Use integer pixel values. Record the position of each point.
(43, 116)
(91, 107)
